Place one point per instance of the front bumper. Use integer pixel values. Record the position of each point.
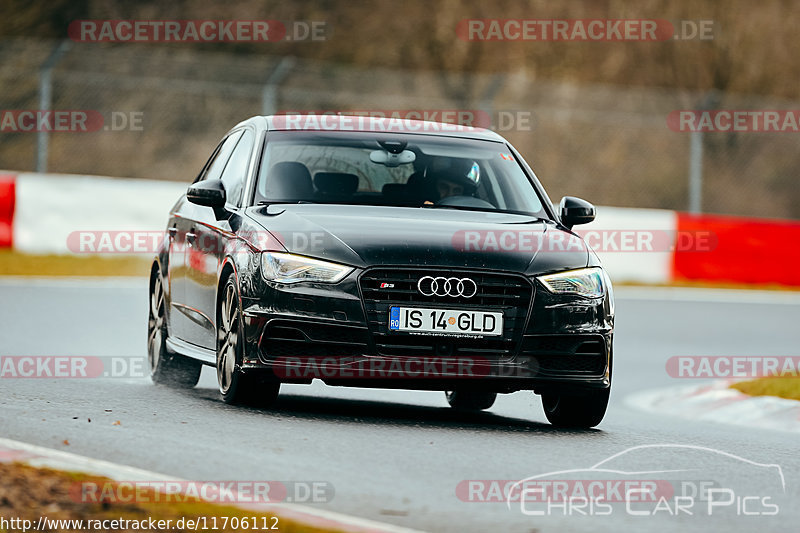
(339, 334)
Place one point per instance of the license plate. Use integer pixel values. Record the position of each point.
(446, 321)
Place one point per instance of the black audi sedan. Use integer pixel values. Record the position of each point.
(378, 252)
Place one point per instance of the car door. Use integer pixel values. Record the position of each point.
(212, 232)
(176, 269)
(189, 323)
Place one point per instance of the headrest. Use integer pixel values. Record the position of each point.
(337, 183)
(393, 189)
(289, 180)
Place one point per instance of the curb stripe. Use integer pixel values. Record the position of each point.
(745, 250)
(8, 200)
(40, 456)
(716, 402)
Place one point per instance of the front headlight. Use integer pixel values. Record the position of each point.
(290, 268)
(588, 282)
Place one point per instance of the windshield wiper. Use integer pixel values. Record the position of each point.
(481, 209)
(265, 202)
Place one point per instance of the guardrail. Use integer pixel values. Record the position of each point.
(40, 212)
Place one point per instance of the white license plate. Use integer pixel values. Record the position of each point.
(446, 321)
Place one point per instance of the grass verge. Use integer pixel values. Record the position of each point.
(714, 285)
(28, 493)
(19, 264)
(780, 386)
(14, 263)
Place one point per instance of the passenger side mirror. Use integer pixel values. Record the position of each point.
(210, 193)
(576, 211)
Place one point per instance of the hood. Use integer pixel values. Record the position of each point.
(363, 236)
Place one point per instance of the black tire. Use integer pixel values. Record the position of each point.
(585, 411)
(166, 368)
(235, 386)
(470, 400)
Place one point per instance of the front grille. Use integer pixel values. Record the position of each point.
(296, 338)
(496, 292)
(566, 355)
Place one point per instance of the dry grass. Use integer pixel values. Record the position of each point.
(29, 493)
(19, 264)
(713, 285)
(782, 387)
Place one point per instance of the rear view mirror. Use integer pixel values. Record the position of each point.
(576, 211)
(210, 193)
(390, 159)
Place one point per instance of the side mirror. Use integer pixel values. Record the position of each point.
(210, 193)
(576, 211)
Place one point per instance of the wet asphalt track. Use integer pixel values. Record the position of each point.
(398, 456)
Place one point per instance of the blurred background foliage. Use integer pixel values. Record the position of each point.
(598, 108)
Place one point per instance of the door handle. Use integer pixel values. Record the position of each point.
(190, 238)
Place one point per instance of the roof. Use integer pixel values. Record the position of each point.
(359, 123)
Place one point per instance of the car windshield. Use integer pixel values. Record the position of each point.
(401, 170)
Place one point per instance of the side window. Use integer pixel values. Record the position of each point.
(214, 168)
(235, 174)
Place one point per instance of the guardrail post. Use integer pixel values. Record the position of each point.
(45, 99)
(269, 96)
(710, 102)
(696, 173)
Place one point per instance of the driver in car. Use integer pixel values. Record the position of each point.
(460, 179)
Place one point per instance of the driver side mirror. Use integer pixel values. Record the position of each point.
(576, 211)
(210, 193)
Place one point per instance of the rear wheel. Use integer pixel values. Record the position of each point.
(235, 385)
(166, 368)
(470, 400)
(583, 411)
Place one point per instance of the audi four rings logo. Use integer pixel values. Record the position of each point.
(430, 286)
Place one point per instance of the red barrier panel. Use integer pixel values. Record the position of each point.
(8, 199)
(747, 250)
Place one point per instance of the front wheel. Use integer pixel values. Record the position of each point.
(585, 411)
(467, 400)
(236, 386)
(173, 370)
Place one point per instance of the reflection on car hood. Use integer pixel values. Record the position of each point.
(373, 235)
